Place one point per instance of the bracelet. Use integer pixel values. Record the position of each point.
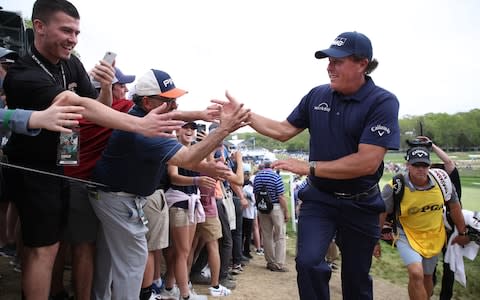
(195, 180)
(6, 118)
(312, 165)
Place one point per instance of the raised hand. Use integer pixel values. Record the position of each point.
(58, 117)
(232, 120)
(228, 106)
(206, 182)
(159, 123)
(212, 113)
(217, 170)
(103, 73)
(296, 166)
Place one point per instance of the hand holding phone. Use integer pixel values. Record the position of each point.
(109, 57)
(201, 132)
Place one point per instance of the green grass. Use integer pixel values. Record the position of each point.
(391, 268)
(471, 197)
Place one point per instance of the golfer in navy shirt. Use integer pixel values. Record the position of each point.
(352, 123)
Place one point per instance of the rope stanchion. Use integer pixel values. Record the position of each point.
(4, 164)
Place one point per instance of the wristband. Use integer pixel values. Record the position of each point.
(195, 180)
(6, 118)
(312, 165)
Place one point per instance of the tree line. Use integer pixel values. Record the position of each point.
(456, 132)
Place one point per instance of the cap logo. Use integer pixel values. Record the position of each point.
(168, 81)
(339, 42)
(419, 153)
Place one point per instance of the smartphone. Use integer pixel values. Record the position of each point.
(201, 128)
(109, 57)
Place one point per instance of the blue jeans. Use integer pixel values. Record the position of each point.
(355, 223)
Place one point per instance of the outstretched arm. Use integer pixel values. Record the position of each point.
(229, 121)
(56, 118)
(282, 131)
(363, 162)
(155, 123)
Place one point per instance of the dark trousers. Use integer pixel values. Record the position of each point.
(356, 224)
(448, 277)
(225, 242)
(200, 262)
(237, 233)
(247, 235)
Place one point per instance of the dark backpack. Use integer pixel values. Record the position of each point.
(389, 230)
(263, 201)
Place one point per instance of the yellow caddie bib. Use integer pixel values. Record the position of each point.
(422, 220)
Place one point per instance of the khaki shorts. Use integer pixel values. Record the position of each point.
(156, 211)
(210, 230)
(179, 217)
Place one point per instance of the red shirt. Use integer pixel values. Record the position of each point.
(93, 140)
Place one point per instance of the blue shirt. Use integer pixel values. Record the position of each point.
(18, 122)
(338, 124)
(133, 163)
(272, 182)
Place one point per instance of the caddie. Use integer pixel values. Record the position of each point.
(420, 224)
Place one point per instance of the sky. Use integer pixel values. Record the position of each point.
(262, 51)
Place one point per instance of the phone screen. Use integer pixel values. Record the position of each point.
(201, 128)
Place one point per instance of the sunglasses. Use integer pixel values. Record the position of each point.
(420, 165)
(163, 99)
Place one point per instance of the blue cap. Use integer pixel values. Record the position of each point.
(346, 44)
(122, 78)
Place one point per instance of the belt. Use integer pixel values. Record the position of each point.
(363, 195)
(372, 191)
(107, 190)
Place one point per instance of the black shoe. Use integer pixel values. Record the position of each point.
(282, 270)
(198, 278)
(248, 255)
(9, 250)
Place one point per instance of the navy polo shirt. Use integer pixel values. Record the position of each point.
(133, 163)
(28, 86)
(272, 181)
(338, 124)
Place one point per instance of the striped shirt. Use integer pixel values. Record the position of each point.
(272, 182)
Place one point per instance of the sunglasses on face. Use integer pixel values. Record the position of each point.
(163, 99)
(420, 165)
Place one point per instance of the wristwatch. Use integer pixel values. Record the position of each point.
(465, 233)
(312, 165)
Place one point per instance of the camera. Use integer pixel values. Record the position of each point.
(419, 143)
